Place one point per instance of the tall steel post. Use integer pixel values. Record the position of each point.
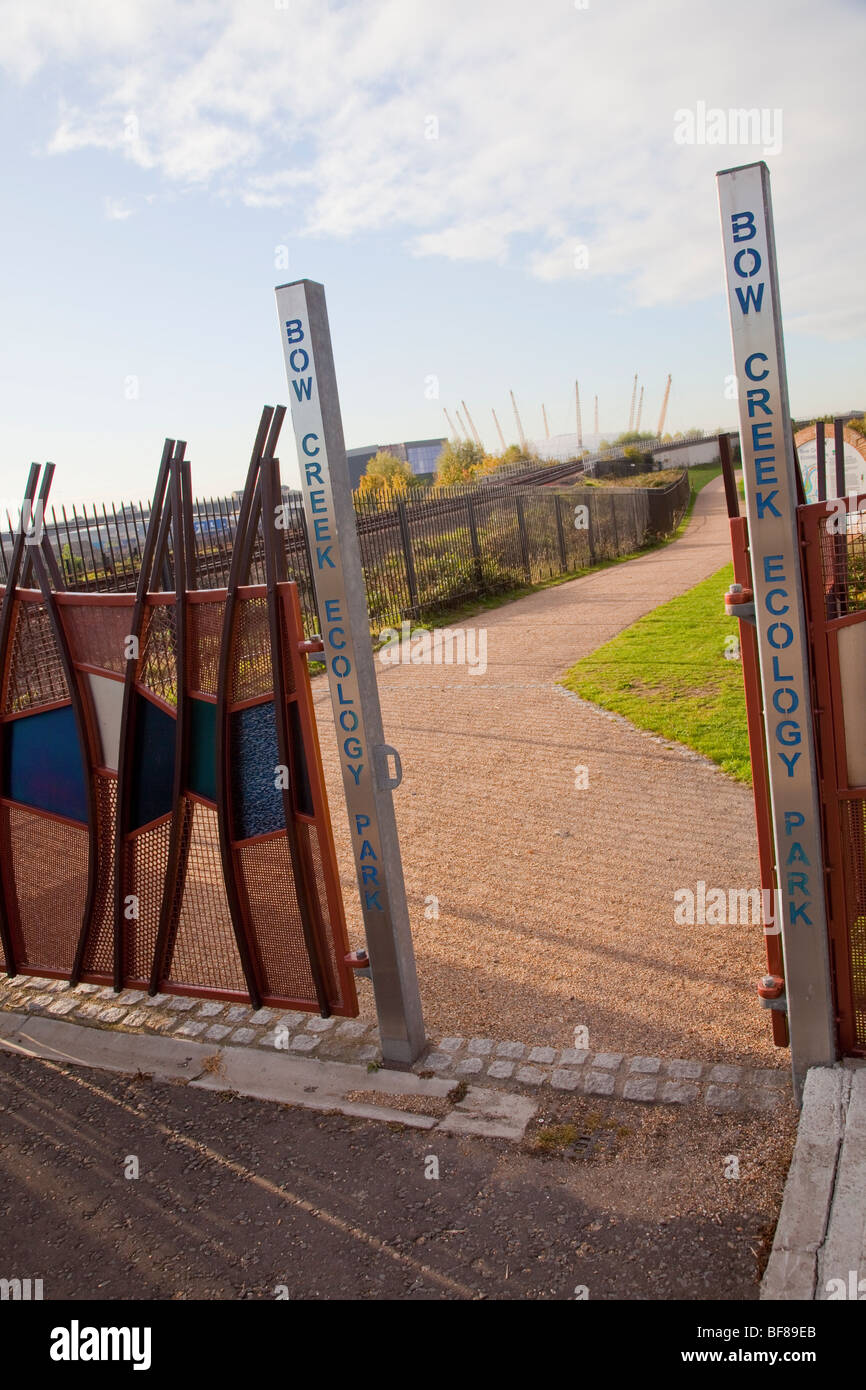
(770, 474)
(342, 604)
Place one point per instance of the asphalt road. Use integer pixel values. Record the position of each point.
(241, 1199)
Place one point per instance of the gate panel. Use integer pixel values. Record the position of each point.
(49, 880)
(94, 627)
(44, 825)
(256, 811)
(834, 571)
(760, 778)
(204, 730)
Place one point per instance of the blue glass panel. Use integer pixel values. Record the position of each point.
(257, 802)
(202, 748)
(152, 763)
(42, 764)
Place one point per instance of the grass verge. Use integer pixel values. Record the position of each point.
(668, 673)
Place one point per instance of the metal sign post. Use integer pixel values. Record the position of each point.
(342, 604)
(769, 470)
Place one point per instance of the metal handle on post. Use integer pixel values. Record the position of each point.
(384, 780)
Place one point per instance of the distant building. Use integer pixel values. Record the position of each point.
(420, 454)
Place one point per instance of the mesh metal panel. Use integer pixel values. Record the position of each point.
(49, 857)
(854, 822)
(36, 674)
(147, 859)
(96, 636)
(289, 636)
(157, 669)
(99, 950)
(49, 869)
(251, 675)
(203, 951)
(843, 561)
(204, 639)
(266, 868)
(312, 835)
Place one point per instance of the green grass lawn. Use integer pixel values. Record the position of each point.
(669, 674)
(703, 473)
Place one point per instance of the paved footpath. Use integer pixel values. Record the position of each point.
(555, 905)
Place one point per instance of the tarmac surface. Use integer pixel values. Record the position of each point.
(128, 1188)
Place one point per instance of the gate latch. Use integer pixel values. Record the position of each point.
(740, 603)
(387, 781)
(312, 647)
(771, 992)
(359, 961)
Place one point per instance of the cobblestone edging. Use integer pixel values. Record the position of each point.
(505, 1065)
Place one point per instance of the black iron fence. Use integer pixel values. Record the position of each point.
(667, 505)
(422, 551)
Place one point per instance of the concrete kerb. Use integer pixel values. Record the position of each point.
(513, 1066)
(821, 1233)
(844, 1248)
(280, 1077)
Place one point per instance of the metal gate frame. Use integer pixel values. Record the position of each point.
(826, 555)
(757, 746)
(291, 908)
(824, 559)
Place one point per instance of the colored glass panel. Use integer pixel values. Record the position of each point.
(42, 763)
(152, 764)
(202, 748)
(256, 799)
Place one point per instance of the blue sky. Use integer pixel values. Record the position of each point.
(156, 158)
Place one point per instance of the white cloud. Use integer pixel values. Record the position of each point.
(116, 211)
(555, 125)
(470, 241)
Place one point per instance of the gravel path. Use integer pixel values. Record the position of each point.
(556, 904)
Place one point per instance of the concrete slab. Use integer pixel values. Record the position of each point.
(130, 1053)
(792, 1270)
(10, 1024)
(384, 1112)
(285, 1078)
(494, 1114)
(290, 1079)
(844, 1250)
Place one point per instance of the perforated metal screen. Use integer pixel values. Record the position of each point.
(208, 891)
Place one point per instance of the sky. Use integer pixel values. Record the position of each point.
(496, 196)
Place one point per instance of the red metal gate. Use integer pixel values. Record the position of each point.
(163, 816)
(833, 548)
(833, 560)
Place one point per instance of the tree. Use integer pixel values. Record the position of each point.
(632, 452)
(514, 454)
(73, 565)
(633, 436)
(458, 463)
(387, 473)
